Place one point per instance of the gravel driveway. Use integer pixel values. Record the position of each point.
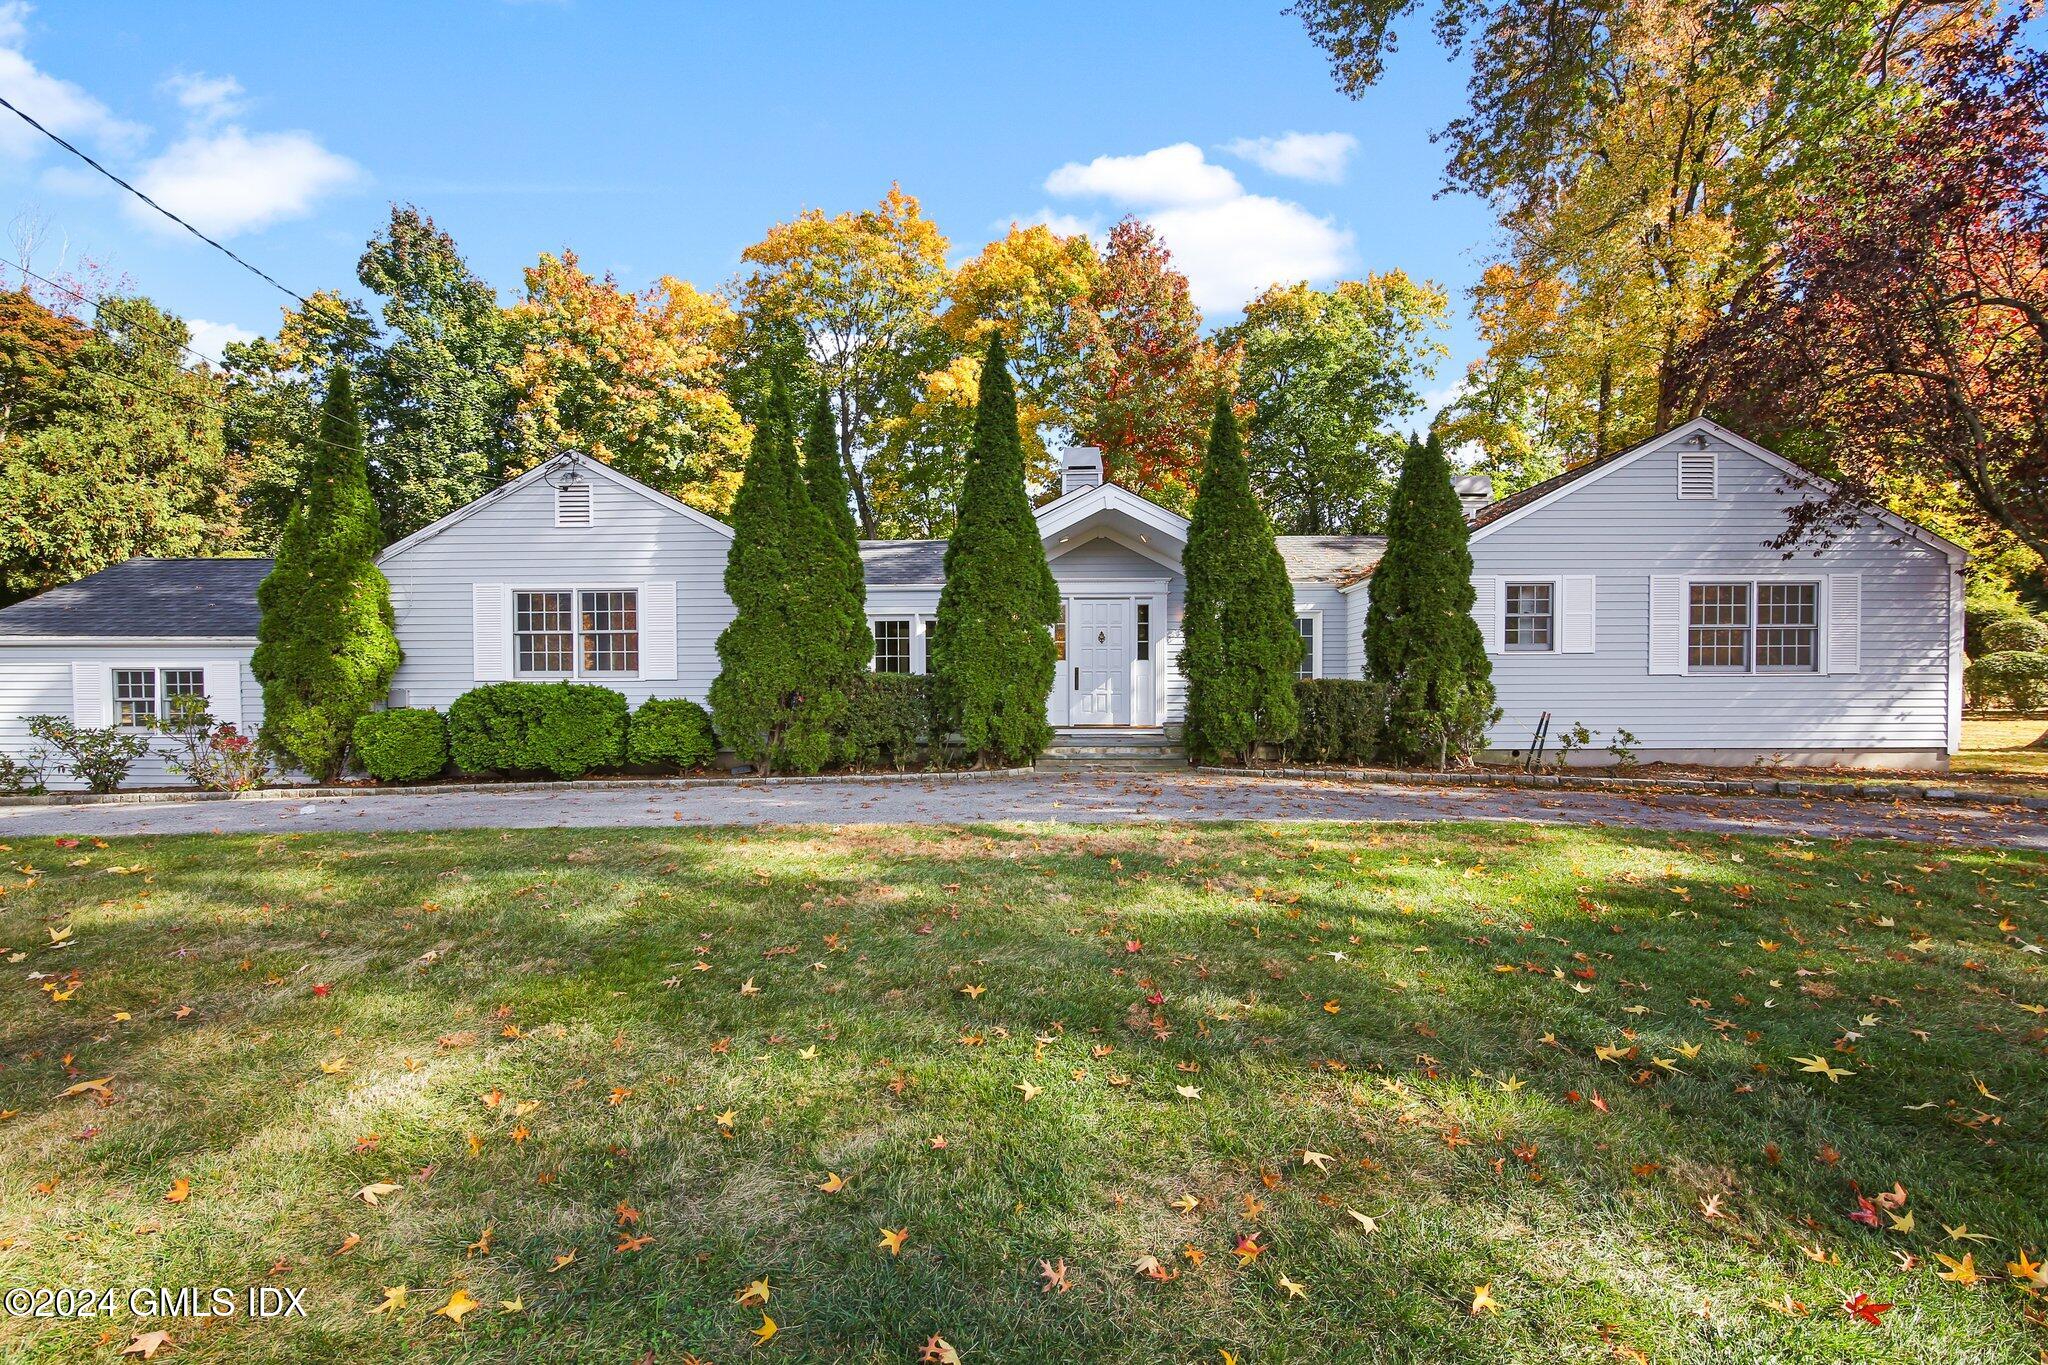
(1089, 798)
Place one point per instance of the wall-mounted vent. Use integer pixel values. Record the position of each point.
(1698, 474)
(572, 503)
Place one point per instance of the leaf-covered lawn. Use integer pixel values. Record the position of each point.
(1307, 1093)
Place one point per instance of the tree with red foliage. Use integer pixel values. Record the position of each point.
(1148, 378)
(1903, 332)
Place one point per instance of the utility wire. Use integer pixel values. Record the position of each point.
(97, 305)
(30, 120)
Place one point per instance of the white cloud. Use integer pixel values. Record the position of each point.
(1298, 156)
(1170, 175)
(227, 181)
(209, 337)
(1231, 245)
(208, 99)
(58, 105)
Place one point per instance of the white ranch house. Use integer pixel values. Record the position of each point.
(1638, 592)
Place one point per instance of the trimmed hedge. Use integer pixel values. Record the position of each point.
(2016, 634)
(887, 716)
(2016, 677)
(404, 744)
(670, 732)
(558, 728)
(1341, 720)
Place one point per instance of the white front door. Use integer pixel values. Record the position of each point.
(1098, 640)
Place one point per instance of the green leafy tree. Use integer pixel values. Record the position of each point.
(325, 648)
(1328, 373)
(1241, 648)
(795, 643)
(36, 348)
(129, 459)
(992, 656)
(435, 391)
(1421, 643)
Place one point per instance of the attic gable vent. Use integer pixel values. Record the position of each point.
(572, 503)
(1698, 476)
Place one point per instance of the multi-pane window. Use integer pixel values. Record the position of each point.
(1305, 626)
(1717, 627)
(563, 634)
(1761, 627)
(1531, 617)
(1787, 626)
(611, 632)
(1059, 633)
(145, 694)
(892, 645)
(1144, 630)
(545, 631)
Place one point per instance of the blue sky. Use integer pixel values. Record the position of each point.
(664, 138)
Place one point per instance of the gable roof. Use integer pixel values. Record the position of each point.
(162, 599)
(1336, 560)
(589, 468)
(1512, 508)
(903, 563)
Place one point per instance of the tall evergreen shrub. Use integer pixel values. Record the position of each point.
(1240, 647)
(1421, 642)
(992, 659)
(326, 649)
(797, 640)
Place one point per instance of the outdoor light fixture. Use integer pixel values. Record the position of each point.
(565, 470)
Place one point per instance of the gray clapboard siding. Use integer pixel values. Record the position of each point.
(1629, 524)
(513, 540)
(37, 679)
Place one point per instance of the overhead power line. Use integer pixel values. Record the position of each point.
(260, 274)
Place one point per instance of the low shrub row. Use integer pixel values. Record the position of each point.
(567, 730)
(1341, 720)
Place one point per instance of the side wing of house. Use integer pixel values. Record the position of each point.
(1645, 597)
(594, 580)
(96, 684)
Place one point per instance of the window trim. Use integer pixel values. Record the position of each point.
(1750, 668)
(1314, 615)
(576, 673)
(1555, 582)
(160, 697)
(908, 621)
(920, 636)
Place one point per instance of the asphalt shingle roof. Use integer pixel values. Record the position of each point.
(165, 599)
(903, 563)
(1309, 559)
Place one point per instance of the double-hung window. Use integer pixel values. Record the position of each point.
(1531, 624)
(892, 644)
(142, 695)
(1305, 626)
(561, 633)
(1752, 627)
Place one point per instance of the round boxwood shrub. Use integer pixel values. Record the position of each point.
(670, 732)
(405, 744)
(2016, 678)
(557, 728)
(2008, 634)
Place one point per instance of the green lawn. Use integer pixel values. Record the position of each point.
(648, 1049)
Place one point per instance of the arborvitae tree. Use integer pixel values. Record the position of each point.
(325, 648)
(1421, 643)
(825, 477)
(1241, 648)
(798, 636)
(992, 657)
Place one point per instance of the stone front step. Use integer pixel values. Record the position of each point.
(1110, 763)
(1076, 750)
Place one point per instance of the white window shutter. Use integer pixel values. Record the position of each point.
(224, 691)
(1667, 623)
(1486, 610)
(491, 632)
(658, 631)
(1845, 623)
(92, 699)
(1576, 613)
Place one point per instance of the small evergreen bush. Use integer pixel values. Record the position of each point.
(558, 728)
(670, 732)
(404, 744)
(2026, 634)
(887, 718)
(2016, 678)
(1340, 720)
